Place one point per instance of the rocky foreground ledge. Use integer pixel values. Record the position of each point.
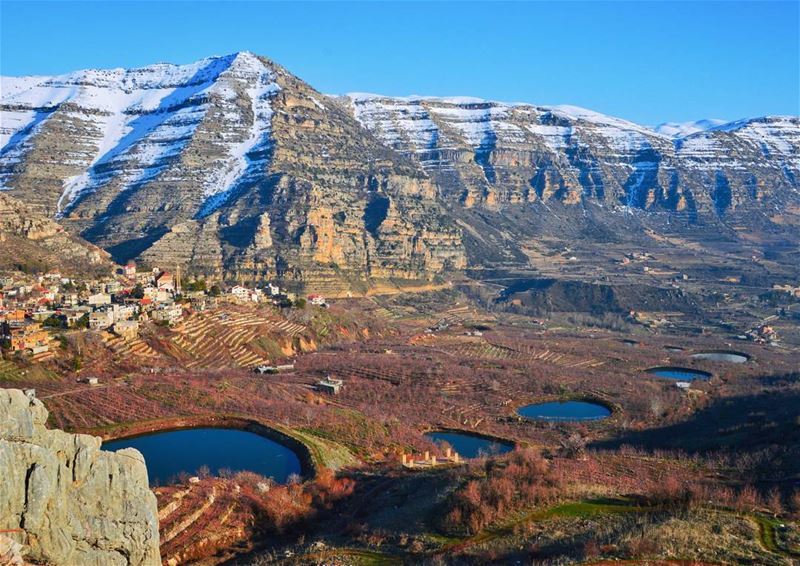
(65, 500)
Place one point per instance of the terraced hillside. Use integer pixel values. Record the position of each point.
(231, 338)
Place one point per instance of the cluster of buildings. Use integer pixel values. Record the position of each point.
(30, 305)
(636, 257)
(763, 334)
(271, 293)
(19, 335)
(429, 460)
(793, 290)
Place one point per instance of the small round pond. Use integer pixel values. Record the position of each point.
(680, 374)
(172, 452)
(722, 356)
(565, 411)
(470, 445)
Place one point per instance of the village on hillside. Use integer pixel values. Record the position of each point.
(34, 307)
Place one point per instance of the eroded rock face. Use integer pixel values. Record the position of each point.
(233, 167)
(493, 154)
(230, 166)
(73, 502)
(28, 236)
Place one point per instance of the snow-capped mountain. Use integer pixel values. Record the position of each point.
(233, 164)
(134, 121)
(228, 164)
(683, 129)
(496, 153)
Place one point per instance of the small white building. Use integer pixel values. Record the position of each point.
(113, 287)
(167, 313)
(330, 385)
(99, 299)
(245, 294)
(101, 319)
(239, 292)
(123, 312)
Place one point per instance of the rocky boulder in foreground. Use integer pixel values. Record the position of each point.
(72, 502)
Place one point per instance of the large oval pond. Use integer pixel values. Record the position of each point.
(680, 374)
(565, 411)
(469, 445)
(722, 356)
(169, 453)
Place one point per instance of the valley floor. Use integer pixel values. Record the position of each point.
(704, 475)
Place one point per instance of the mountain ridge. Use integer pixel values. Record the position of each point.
(682, 129)
(702, 124)
(238, 168)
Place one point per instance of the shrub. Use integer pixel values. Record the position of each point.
(519, 480)
(54, 321)
(138, 291)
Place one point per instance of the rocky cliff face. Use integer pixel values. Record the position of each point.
(230, 166)
(491, 154)
(233, 166)
(29, 239)
(66, 500)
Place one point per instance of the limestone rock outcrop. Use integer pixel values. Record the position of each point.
(494, 154)
(31, 239)
(233, 167)
(66, 500)
(230, 166)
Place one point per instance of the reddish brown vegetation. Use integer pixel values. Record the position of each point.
(526, 480)
(239, 508)
(468, 382)
(523, 479)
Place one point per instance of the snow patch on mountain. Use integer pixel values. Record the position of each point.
(683, 129)
(420, 123)
(481, 125)
(143, 118)
(771, 136)
(250, 152)
(396, 122)
(554, 137)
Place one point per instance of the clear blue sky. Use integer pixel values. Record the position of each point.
(645, 61)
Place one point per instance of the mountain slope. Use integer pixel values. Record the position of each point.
(493, 154)
(32, 242)
(683, 129)
(232, 166)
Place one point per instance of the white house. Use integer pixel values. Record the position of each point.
(240, 292)
(99, 299)
(101, 319)
(167, 313)
(246, 294)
